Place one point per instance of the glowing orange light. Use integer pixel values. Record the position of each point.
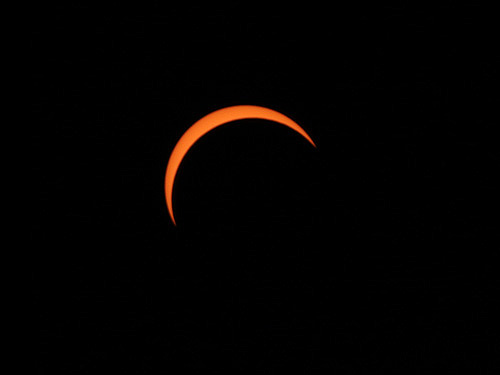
(211, 121)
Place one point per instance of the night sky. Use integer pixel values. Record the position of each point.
(373, 253)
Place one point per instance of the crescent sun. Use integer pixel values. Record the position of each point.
(211, 121)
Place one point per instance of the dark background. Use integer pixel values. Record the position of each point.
(373, 253)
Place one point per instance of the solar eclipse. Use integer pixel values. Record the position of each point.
(211, 121)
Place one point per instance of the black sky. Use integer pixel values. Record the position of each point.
(373, 253)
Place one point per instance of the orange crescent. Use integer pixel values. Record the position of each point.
(211, 121)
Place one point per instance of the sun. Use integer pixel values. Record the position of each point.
(211, 121)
